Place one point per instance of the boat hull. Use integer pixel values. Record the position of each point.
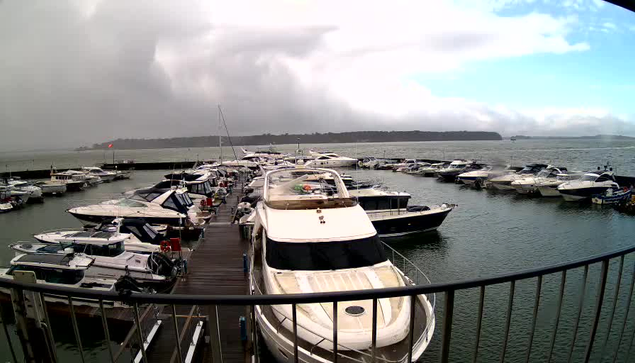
(575, 195)
(406, 223)
(549, 191)
(101, 218)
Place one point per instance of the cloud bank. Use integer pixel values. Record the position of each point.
(78, 72)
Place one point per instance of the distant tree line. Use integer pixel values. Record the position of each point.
(314, 138)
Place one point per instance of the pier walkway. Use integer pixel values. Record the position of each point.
(215, 268)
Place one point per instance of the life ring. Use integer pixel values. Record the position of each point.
(165, 246)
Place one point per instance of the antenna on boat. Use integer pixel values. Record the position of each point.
(222, 117)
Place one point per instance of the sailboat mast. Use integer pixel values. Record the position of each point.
(220, 137)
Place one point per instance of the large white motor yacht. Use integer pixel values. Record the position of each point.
(173, 207)
(529, 185)
(74, 180)
(312, 237)
(105, 176)
(504, 182)
(589, 185)
(330, 160)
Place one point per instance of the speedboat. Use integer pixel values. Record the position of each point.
(455, 168)
(51, 187)
(64, 270)
(74, 180)
(111, 260)
(311, 237)
(393, 217)
(137, 235)
(529, 185)
(34, 192)
(16, 197)
(613, 196)
(105, 176)
(504, 182)
(330, 160)
(590, 184)
(481, 175)
(173, 207)
(549, 187)
(432, 169)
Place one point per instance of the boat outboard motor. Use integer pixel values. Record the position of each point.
(126, 285)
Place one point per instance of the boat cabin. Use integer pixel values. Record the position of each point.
(64, 269)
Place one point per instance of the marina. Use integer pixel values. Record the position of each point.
(218, 261)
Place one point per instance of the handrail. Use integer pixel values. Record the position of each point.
(315, 297)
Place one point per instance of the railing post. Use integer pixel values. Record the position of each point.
(628, 306)
(481, 304)
(558, 311)
(142, 341)
(508, 321)
(294, 313)
(580, 308)
(411, 333)
(447, 326)
(104, 322)
(598, 310)
(78, 338)
(6, 333)
(534, 318)
(214, 332)
(50, 340)
(177, 335)
(374, 331)
(334, 331)
(616, 297)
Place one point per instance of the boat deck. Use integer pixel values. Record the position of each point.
(215, 268)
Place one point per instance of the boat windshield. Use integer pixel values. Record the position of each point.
(589, 177)
(109, 250)
(54, 276)
(126, 202)
(316, 256)
(305, 188)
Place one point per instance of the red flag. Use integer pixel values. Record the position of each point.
(110, 146)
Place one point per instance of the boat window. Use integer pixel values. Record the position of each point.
(322, 158)
(110, 250)
(316, 256)
(604, 177)
(130, 203)
(55, 276)
(589, 177)
(176, 202)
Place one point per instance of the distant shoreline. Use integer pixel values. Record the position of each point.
(594, 137)
(314, 138)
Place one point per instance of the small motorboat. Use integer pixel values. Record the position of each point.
(504, 182)
(111, 260)
(613, 196)
(51, 187)
(455, 168)
(65, 269)
(95, 171)
(589, 185)
(34, 192)
(432, 169)
(74, 180)
(330, 160)
(529, 185)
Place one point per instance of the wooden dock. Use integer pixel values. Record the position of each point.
(215, 268)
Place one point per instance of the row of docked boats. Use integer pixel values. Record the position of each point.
(599, 186)
(16, 193)
(126, 243)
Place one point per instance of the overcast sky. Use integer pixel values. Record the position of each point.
(75, 72)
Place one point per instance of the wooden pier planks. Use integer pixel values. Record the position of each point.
(214, 268)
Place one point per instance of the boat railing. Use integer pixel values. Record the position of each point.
(576, 310)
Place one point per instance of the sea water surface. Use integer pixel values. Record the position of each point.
(487, 234)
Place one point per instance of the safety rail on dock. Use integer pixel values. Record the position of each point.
(605, 303)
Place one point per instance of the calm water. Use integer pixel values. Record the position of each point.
(487, 234)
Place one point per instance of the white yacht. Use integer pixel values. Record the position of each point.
(111, 260)
(310, 237)
(51, 187)
(589, 185)
(74, 180)
(529, 185)
(432, 169)
(173, 207)
(137, 236)
(330, 160)
(455, 168)
(549, 187)
(34, 192)
(504, 182)
(65, 270)
(106, 176)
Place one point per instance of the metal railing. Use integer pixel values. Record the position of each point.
(608, 296)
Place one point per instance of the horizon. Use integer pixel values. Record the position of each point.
(86, 71)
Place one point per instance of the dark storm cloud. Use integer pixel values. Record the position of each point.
(71, 75)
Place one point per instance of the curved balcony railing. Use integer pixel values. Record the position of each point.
(612, 291)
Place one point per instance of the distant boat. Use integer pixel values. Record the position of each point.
(513, 138)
